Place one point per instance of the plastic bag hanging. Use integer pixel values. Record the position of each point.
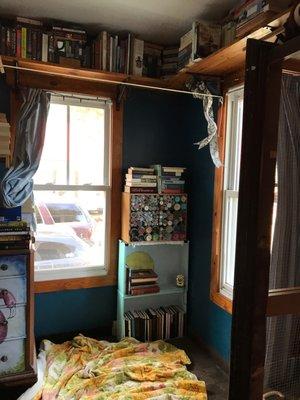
(199, 88)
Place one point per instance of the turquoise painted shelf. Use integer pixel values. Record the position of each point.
(170, 260)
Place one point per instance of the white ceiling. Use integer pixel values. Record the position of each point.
(160, 21)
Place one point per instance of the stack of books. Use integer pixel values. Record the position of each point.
(185, 52)
(152, 60)
(14, 235)
(252, 13)
(66, 46)
(4, 140)
(140, 180)
(169, 61)
(111, 52)
(32, 39)
(170, 180)
(154, 324)
(141, 281)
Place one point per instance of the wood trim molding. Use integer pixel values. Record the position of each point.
(73, 284)
(215, 295)
(283, 301)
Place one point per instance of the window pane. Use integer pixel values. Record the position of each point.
(53, 165)
(229, 251)
(87, 145)
(70, 229)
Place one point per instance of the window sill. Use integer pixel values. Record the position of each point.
(220, 300)
(73, 284)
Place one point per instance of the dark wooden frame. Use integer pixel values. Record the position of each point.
(252, 302)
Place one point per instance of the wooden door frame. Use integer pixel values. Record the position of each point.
(252, 301)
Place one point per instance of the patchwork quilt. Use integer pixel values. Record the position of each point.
(88, 369)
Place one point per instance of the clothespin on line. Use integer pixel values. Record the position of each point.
(1, 66)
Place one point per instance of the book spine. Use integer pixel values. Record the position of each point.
(137, 57)
(45, 45)
(140, 291)
(23, 42)
(140, 190)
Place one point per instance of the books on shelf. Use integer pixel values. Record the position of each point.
(142, 179)
(154, 324)
(141, 281)
(156, 179)
(14, 235)
(170, 180)
(252, 13)
(169, 61)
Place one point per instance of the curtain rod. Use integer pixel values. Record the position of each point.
(138, 85)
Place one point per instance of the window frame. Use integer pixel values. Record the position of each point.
(72, 85)
(91, 102)
(220, 294)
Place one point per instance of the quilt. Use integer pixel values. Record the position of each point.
(88, 369)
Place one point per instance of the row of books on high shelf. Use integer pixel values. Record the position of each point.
(155, 179)
(154, 324)
(141, 281)
(14, 235)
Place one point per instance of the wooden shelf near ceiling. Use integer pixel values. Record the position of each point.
(223, 62)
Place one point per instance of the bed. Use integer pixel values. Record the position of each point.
(88, 369)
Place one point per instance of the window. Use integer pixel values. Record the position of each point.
(231, 190)
(72, 190)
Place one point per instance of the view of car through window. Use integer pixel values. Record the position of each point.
(71, 218)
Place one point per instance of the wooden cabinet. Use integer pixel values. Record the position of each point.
(17, 350)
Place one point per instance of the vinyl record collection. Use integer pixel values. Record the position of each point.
(153, 324)
(141, 281)
(14, 235)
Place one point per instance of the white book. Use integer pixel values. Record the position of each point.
(137, 60)
(186, 40)
(141, 184)
(45, 40)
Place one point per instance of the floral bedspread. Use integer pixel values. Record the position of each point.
(88, 369)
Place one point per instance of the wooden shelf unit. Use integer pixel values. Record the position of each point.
(224, 61)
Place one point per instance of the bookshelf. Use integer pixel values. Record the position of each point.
(224, 61)
(170, 259)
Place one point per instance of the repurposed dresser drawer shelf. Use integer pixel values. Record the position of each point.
(17, 351)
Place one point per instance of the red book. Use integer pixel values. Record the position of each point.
(144, 290)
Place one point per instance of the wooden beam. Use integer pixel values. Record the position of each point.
(260, 121)
(283, 301)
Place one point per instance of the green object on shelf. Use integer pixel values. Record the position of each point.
(139, 260)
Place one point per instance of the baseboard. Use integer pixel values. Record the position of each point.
(224, 365)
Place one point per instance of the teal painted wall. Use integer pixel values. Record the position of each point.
(157, 129)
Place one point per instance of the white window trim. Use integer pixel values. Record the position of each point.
(230, 185)
(99, 270)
